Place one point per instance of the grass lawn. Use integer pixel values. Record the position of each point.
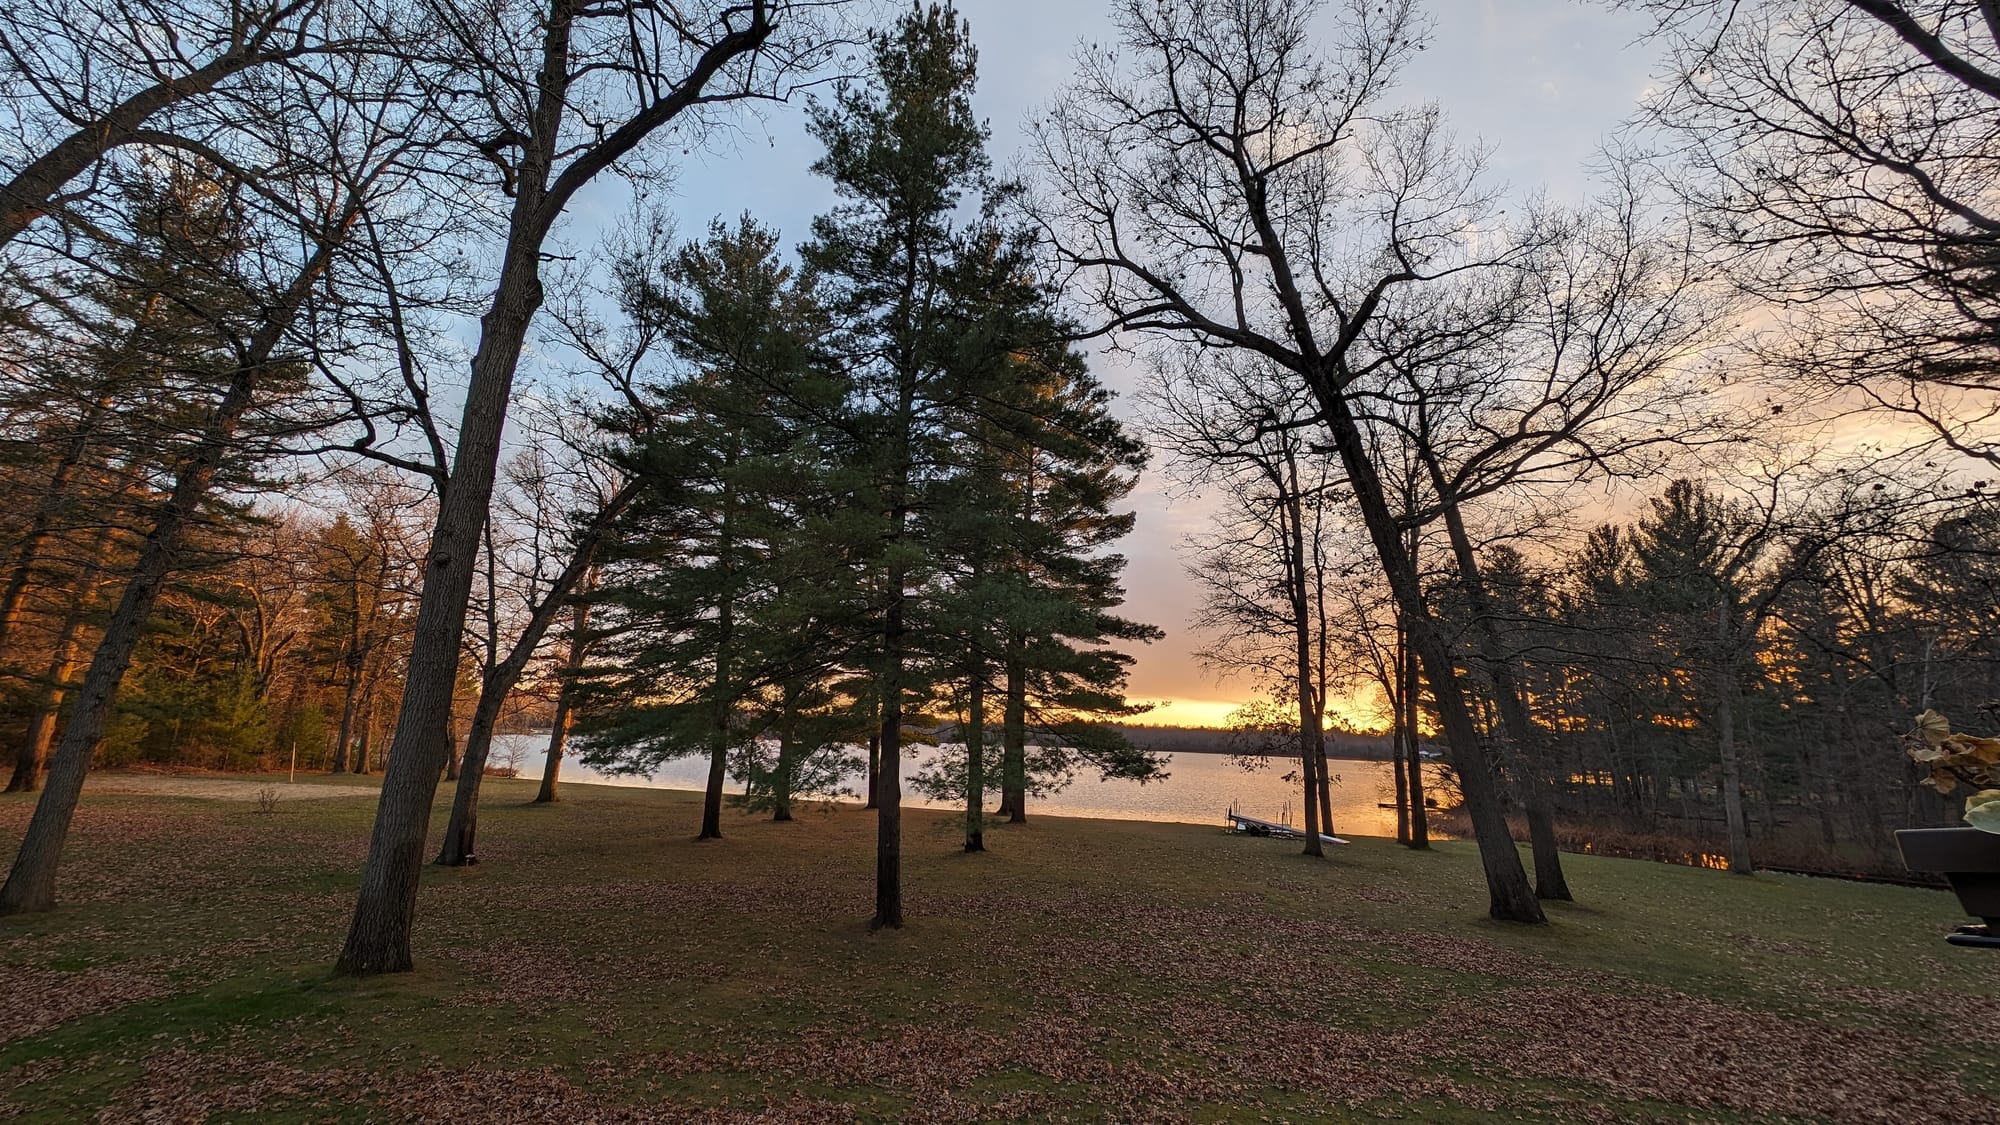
(600, 965)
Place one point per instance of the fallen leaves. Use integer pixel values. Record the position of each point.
(601, 967)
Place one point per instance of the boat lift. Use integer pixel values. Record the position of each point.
(1251, 826)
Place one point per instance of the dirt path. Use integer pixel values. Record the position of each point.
(219, 788)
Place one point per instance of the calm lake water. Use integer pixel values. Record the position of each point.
(1199, 788)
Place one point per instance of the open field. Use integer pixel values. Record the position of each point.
(600, 965)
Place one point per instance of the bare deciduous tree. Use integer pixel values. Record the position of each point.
(554, 96)
(1236, 188)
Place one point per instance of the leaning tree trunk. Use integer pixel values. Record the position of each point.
(559, 733)
(1531, 768)
(463, 826)
(718, 773)
(378, 938)
(461, 831)
(27, 776)
(552, 761)
(32, 882)
(27, 551)
(1510, 897)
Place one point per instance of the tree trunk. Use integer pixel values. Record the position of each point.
(1325, 779)
(1302, 665)
(718, 745)
(1309, 781)
(875, 763)
(1396, 753)
(1413, 761)
(365, 747)
(41, 733)
(1732, 769)
(29, 548)
(559, 733)
(711, 798)
(889, 784)
(31, 884)
(27, 776)
(1014, 745)
(463, 827)
(975, 759)
(349, 701)
(462, 830)
(1530, 757)
(378, 938)
(788, 741)
(552, 761)
(781, 781)
(1510, 897)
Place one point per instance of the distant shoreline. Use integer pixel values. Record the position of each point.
(1199, 740)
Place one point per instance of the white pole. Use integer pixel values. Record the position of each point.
(294, 778)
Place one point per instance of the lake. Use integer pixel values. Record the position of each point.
(1199, 788)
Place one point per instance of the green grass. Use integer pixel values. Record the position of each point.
(599, 961)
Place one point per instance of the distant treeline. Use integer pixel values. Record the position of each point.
(1211, 740)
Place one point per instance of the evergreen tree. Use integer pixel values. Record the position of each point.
(718, 582)
(906, 155)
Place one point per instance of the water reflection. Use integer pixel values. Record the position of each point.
(1199, 788)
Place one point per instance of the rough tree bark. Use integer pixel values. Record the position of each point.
(378, 938)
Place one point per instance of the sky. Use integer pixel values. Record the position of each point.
(1541, 83)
